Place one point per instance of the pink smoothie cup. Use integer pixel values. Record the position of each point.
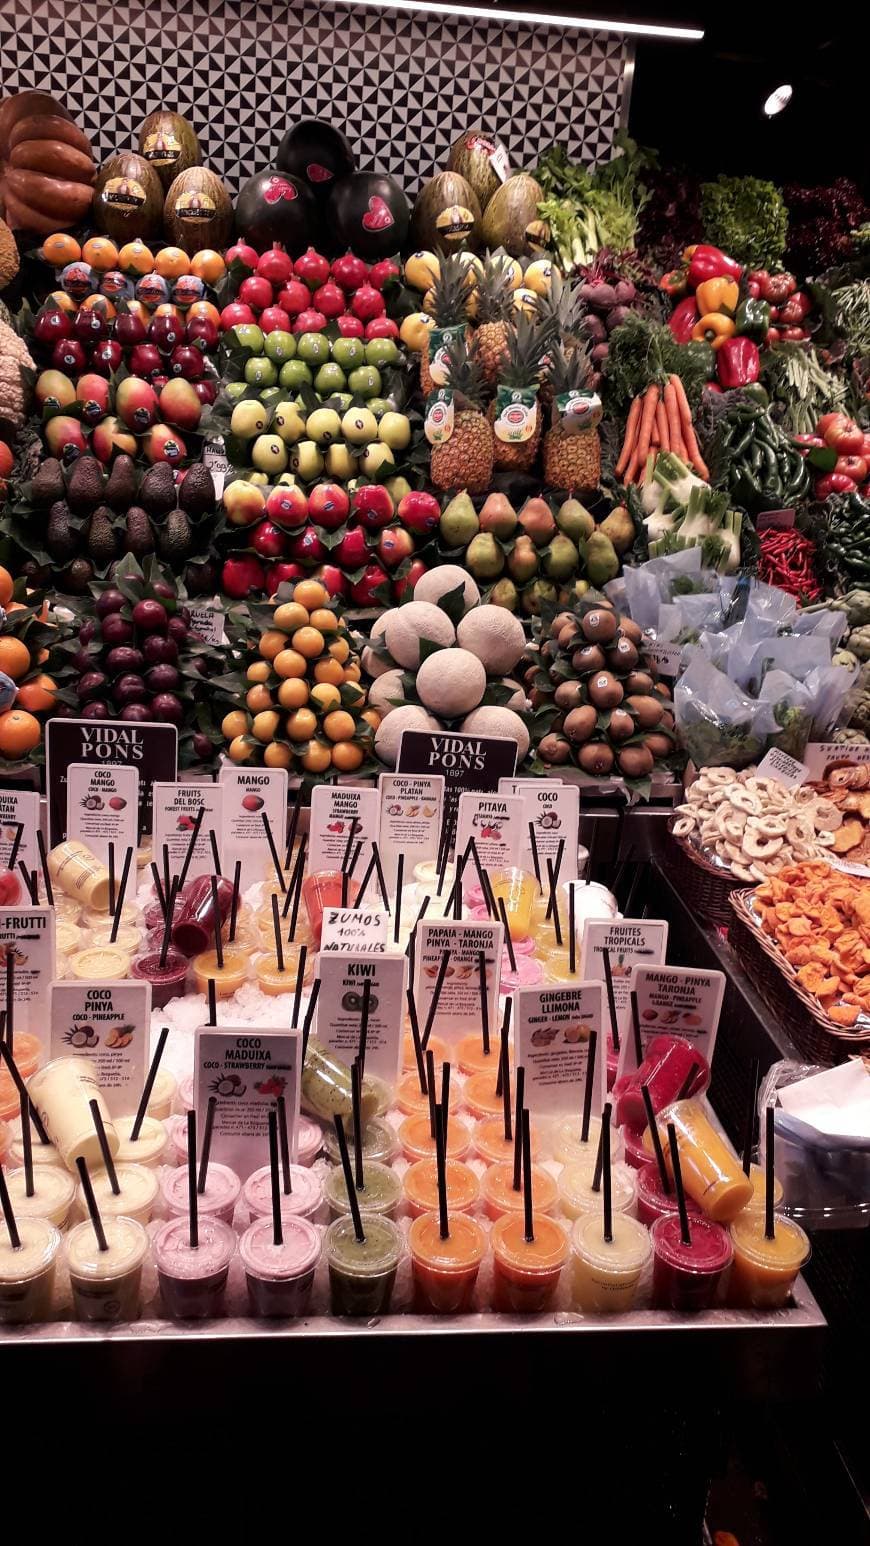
(302, 1201)
(193, 1279)
(652, 1201)
(222, 1191)
(280, 1277)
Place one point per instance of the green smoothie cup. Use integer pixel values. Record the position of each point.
(362, 1272)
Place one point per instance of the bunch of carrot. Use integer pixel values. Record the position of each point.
(659, 420)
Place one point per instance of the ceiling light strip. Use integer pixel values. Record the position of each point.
(536, 18)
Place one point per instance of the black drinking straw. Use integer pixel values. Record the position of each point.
(234, 904)
(685, 1089)
(572, 932)
(294, 822)
(169, 882)
(656, 1139)
(276, 925)
(504, 1068)
(91, 1201)
(215, 854)
(415, 1038)
(590, 1085)
(36, 1119)
(284, 1145)
(768, 1172)
(430, 1090)
(108, 1162)
(43, 859)
(635, 1027)
(611, 999)
(441, 1172)
(445, 1098)
(344, 888)
(368, 872)
(309, 1016)
(212, 1001)
(29, 882)
(276, 860)
(400, 881)
(535, 857)
(599, 1157)
(111, 877)
(685, 1231)
(297, 893)
(291, 885)
(382, 879)
(194, 834)
(635, 879)
(354, 861)
(9, 1216)
(509, 944)
(519, 1104)
(27, 1146)
(346, 860)
(412, 937)
(192, 1199)
(356, 1101)
(436, 994)
(364, 1024)
(352, 1198)
(553, 872)
(608, 1192)
(483, 879)
(503, 1034)
(206, 1143)
(119, 906)
(10, 998)
(16, 844)
(446, 840)
(554, 902)
(277, 1225)
(300, 979)
(528, 1211)
(148, 1085)
(749, 1123)
(155, 875)
(167, 927)
(484, 1000)
(218, 942)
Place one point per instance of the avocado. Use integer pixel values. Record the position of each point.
(78, 577)
(84, 490)
(48, 484)
(61, 539)
(102, 544)
(197, 492)
(174, 539)
(120, 491)
(139, 538)
(157, 492)
(201, 579)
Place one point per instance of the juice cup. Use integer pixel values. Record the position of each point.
(636, 1149)
(77, 871)
(669, 1061)
(472, 1059)
(67, 938)
(61, 1092)
(309, 1140)
(53, 1193)
(325, 890)
(28, 1054)
(421, 1187)
(416, 1141)
(499, 1197)
(437, 1047)
(27, 1272)
(478, 1095)
(491, 1145)
(222, 1192)
(381, 1193)
(576, 1194)
(556, 965)
(193, 930)
(528, 974)
(712, 1174)
(131, 917)
(326, 1086)
(526, 1272)
(67, 909)
(763, 1273)
(411, 1101)
(426, 877)
(383, 1094)
(184, 1094)
(445, 1271)
(148, 1149)
(652, 1201)
(128, 938)
(101, 963)
(612, 1065)
(6, 1139)
(518, 890)
(302, 1201)
(168, 981)
(227, 978)
(379, 1143)
(759, 1190)
(193, 1279)
(271, 980)
(136, 1199)
(162, 1097)
(43, 1153)
(106, 1285)
(566, 1144)
(607, 1273)
(279, 1277)
(687, 1277)
(362, 1272)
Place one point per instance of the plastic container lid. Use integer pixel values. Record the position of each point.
(465, 1246)
(40, 1243)
(381, 1252)
(299, 1254)
(128, 1244)
(178, 1259)
(790, 1248)
(630, 1239)
(711, 1249)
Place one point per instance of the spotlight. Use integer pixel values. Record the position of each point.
(777, 101)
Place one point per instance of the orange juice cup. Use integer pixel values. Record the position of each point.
(472, 1059)
(436, 1046)
(445, 1271)
(499, 1197)
(712, 1174)
(526, 1272)
(478, 1095)
(491, 1145)
(421, 1187)
(763, 1271)
(519, 891)
(324, 890)
(412, 1102)
(270, 978)
(227, 978)
(4, 1141)
(759, 1190)
(415, 1138)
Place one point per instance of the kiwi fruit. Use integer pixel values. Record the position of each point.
(596, 758)
(638, 681)
(580, 723)
(646, 710)
(554, 748)
(631, 629)
(660, 745)
(605, 691)
(600, 626)
(620, 726)
(621, 656)
(589, 658)
(569, 695)
(635, 761)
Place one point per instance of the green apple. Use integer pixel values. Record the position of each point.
(381, 352)
(269, 396)
(375, 458)
(349, 352)
(342, 400)
(281, 346)
(249, 337)
(397, 488)
(269, 453)
(329, 378)
(249, 419)
(323, 426)
(306, 461)
(288, 422)
(261, 479)
(260, 372)
(313, 348)
(394, 429)
(359, 426)
(365, 382)
(235, 390)
(294, 374)
(340, 464)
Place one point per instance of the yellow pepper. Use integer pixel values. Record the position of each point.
(713, 329)
(722, 294)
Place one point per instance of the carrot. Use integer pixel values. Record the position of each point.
(689, 438)
(662, 432)
(647, 420)
(673, 414)
(630, 436)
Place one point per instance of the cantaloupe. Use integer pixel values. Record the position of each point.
(498, 722)
(389, 732)
(518, 699)
(404, 627)
(494, 635)
(436, 583)
(384, 689)
(451, 682)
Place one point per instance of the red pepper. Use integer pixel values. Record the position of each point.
(834, 483)
(683, 318)
(710, 263)
(796, 308)
(737, 363)
(674, 283)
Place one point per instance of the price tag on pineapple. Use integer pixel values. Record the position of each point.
(17, 809)
(249, 795)
(494, 821)
(516, 414)
(552, 809)
(103, 808)
(578, 409)
(674, 1001)
(438, 424)
(108, 1023)
(336, 813)
(27, 935)
(410, 820)
(354, 928)
(552, 1044)
(340, 1005)
(458, 987)
(176, 807)
(441, 341)
(246, 1070)
(628, 944)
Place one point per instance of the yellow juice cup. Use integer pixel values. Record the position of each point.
(712, 1174)
(519, 890)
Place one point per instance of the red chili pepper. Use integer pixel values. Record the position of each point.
(787, 561)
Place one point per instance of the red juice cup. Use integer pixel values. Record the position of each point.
(280, 1277)
(445, 1271)
(193, 1279)
(636, 1154)
(325, 890)
(669, 1062)
(686, 1278)
(193, 932)
(168, 980)
(652, 1201)
(526, 1272)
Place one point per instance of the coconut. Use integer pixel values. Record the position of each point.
(169, 144)
(199, 211)
(389, 732)
(128, 198)
(494, 635)
(405, 627)
(451, 682)
(446, 215)
(387, 686)
(509, 215)
(500, 722)
(436, 583)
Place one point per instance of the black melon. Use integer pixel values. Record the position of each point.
(276, 207)
(317, 153)
(368, 213)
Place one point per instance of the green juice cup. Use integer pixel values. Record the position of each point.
(362, 1272)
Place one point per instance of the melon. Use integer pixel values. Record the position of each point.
(436, 583)
(275, 207)
(446, 214)
(495, 636)
(198, 211)
(128, 198)
(387, 687)
(482, 160)
(518, 699)
(406, 626)
(390, 731)
(169, 144)
(451, 682)
(511, 218)
(368, 213)
(498, 722)
(317, 154)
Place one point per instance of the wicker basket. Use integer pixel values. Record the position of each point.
(817, 1037)
(704, 887)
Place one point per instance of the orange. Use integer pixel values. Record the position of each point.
(208, 265)
(60, 301)
(326, 696)
(171, 263)
(355, 695)
(317, 758)
(265, 725)
(289, 663)
(309, 642)
(301, 725)
(293, 693)
(329, 671)
(205, 309)
(99, 303)
(235, 723)
(240, 751)
(259, 698)
(290, 616)
(271, 643)
(258, 671)
(339, 649)
(166, 309)
(325, 620)
(278, 755)
(14, 656)
(140, 310)
(19, 733)
(37, 696)
(6, 585)
(347, 757)
(339, 725)
(371, 717)
(61, 249)
(100, 253)
(352, 672)
(136, 256)
(311, 594)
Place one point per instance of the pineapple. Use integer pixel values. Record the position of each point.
(527, 344)
(495, 312)
(562, 309)
(447, 304)
(465, 460)
(571, 461)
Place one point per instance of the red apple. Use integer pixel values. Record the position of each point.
(420, 512)
(287, 506)
(373, 506)
(202, 332)
(328, 505)
(336, 582)
(128, 329)
(255, 291)
(282, 574)
(364, 590)
(367, 303)
(52, 324)
(381, 327)
(305, 547)
(68, 355)
(145, 360)
(275, 319)
(206, 391)
(854, 467)
(353, 549)
(241, 575)
(844, 435)
(294, 297)
(180, 404)
(268, 540)
(351, 327)
(235, 314)
(406, 582)
(106, 357)
(166, 333)
(186, 360)
(395, 544)
(90, 326)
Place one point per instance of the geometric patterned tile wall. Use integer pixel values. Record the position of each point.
(402, 87)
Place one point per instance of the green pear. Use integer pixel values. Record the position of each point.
(541, 593)
(504, 594)
(523, 562)
(484, 557)
(619, 527)
(398, 488)
(602, 562)
(498, 516)
(574, 520)
(561, 558)
(459, 521)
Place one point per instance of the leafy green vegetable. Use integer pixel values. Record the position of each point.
(590, 209)
(796, 381)
(747, 218)
(642, 352)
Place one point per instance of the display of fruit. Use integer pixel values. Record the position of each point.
(27, 690)
(168, 142)
(295, 699)
(466, 454)
(511, 218)
(598, 704)
(482, 161)
(369, 213)
(47, 164)
(572, 446)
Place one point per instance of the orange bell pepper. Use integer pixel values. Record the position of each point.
(689, 252)
(722, 294)
(713, 329)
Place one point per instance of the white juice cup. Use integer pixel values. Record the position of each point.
(53, 1193)
(106, 1285)
(606, 1274)
(138, 1193)
(576, 1194)
(162, 1097)
(148, 1149)
(27, 1271)
(62, 1092)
